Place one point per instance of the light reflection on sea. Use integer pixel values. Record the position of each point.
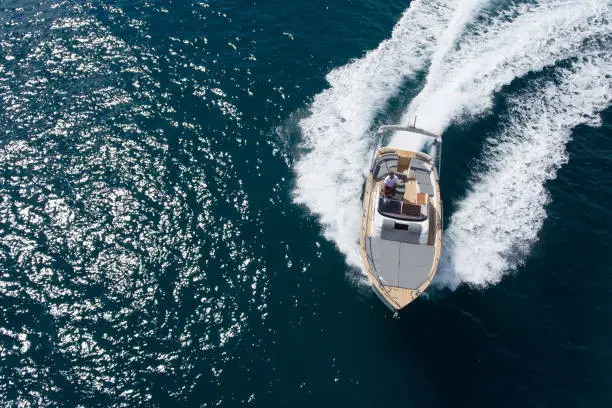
(121, 252)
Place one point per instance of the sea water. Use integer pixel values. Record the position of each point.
(181, 192)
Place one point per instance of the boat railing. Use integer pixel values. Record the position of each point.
(412, 129)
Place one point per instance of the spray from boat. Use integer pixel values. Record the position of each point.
(337, 132)
(484, 241)
(470, 52)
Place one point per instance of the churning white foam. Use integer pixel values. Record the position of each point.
(470, 59)
(492, 53)
(495, 225)
(329, 176)
(484, 239)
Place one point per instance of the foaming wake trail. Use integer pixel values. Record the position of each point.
(456, 25)
(496, 224)
(497, 50)
(484, 241)
(329, 176)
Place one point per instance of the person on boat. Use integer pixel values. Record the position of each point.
(388, 187)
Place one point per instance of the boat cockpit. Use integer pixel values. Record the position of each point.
(411, 198)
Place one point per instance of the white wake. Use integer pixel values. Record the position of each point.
(470, 52)
(336, 135)
(496, 224)
(484, 239)
(462, 82)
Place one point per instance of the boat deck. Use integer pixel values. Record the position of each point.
(400, 264)
(400, 268)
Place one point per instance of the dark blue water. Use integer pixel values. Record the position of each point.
(178, 185)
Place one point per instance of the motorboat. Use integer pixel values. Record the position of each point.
(401, 231)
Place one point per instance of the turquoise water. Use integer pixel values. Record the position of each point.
(181, 186)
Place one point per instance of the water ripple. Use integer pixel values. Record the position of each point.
(121, 252)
